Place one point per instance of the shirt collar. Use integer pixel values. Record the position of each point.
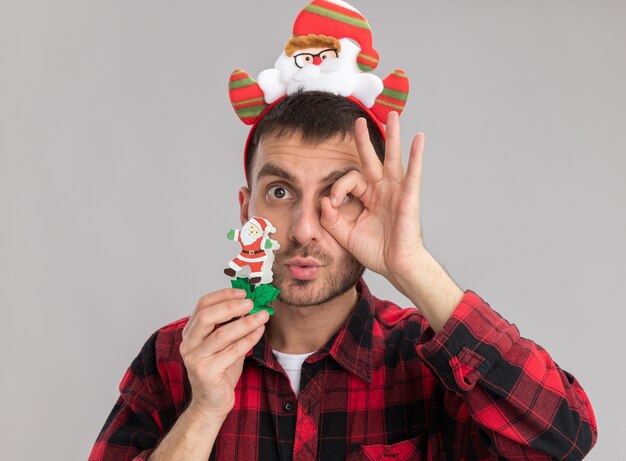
(351, 347)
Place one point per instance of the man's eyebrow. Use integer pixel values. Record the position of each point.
(270, 169)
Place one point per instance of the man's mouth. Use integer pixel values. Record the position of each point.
(303, 268)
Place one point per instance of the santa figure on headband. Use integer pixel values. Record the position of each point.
(256, 251)
(331, 50)
(319, 62)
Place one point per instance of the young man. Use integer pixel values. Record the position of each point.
(337, 373)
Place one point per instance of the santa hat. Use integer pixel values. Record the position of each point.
(263, 224)
(333, 18)
(338, 19)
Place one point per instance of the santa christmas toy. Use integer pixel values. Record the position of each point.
(252, 267)
(256, 250)
(331, 50)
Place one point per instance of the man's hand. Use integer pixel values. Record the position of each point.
(386, 237)
(214, 356)
(214, 359)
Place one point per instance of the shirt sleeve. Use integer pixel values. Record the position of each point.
(141, 415)
(521, 404)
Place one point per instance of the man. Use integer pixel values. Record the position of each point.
(337, 373)
(450, 380)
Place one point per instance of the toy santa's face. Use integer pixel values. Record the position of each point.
(289, 180)
(320, 68)
(252, 230)
(308, 63)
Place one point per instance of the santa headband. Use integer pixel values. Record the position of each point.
(331, 50)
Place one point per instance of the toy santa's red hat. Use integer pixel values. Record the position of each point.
(338, 19)
(263, 224)
(252, 99)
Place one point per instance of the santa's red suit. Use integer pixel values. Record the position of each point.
(256, 254)
(252, 255)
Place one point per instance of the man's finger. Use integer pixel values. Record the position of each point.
(351, 183)
(393, 149)
(225, 335)
(213, 298)
(227, 357)
(206, 319)
(414, 168)
(372, 168)
(335, 223)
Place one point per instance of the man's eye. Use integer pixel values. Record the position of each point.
(279, 192)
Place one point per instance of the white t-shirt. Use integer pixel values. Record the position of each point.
(292, 363)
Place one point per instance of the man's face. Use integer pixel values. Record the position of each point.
(288, 180)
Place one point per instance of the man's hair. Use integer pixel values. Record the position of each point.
(317, 116)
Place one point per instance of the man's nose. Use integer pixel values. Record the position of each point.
(317, 60)
(305, 226)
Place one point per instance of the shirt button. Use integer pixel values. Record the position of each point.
(288, 407)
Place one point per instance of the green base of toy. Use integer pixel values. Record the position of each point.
(260, 295)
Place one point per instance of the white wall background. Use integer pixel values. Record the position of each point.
(120, 163)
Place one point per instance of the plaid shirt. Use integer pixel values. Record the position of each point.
(384, 387)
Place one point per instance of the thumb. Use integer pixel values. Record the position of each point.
(334, 223)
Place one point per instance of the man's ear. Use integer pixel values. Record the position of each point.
(244, 203)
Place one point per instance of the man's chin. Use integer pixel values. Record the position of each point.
(300, 293)
(311, 293)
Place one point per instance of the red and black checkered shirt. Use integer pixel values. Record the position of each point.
(384, 387)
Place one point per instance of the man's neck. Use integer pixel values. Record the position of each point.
(298, 330)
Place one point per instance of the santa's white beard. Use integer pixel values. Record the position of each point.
(315, 78)
(312, 72)
(247, 238)
(340, 76)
